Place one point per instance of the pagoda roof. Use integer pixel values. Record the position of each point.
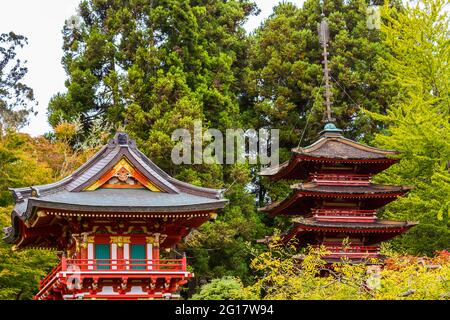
(336, 146)
(379, 224)
(389, 228)
(151, 189)
(124, 200)
(303, 193)
(332, 147)
(372, 188)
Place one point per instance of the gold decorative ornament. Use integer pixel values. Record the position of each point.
(119, 240)
(41, 214)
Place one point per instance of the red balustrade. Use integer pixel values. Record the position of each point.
(50, 276)
(114, 265)
(340, 179)
(336, 250)
(344, 215)
(126, 264)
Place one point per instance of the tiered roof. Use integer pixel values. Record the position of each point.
(316, 164)
(301, 199)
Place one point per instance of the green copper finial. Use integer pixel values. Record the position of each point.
(330, 127)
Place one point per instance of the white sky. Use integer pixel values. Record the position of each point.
(41, 22)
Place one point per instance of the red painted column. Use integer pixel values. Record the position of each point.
(120, 261)
(63, 263)
(183, 262)
(155, 259)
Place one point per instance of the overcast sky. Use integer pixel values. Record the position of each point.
(41, 22)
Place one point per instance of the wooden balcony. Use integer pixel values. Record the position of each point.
(138, 269)
(337, 251)
(344, 215)
(340, 179)
(120, 265)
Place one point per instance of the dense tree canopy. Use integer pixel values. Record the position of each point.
(403, 277)
(418, 121)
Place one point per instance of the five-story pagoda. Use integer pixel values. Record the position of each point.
(337, 199)
(109, 220)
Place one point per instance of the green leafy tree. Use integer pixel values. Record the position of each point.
(226, 288)
(282, 277)
(21, 164)
(418, 64)
(16, 98)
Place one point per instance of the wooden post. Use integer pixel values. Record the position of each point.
(183, 262)
(63, 262)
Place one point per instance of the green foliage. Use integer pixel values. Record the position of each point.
(418, 121)
(22, 164)
(16, 98)
(226, 288)
(21, 271)
(403, 277)
(221, 247)
(286, 71)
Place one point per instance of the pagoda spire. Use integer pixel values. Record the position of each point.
(324, 37)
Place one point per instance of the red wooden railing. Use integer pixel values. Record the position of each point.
(337, 250)
(50, 276)
(114, 265)
(345, 215)
(343, 212)
(340, 179)
(127, 264)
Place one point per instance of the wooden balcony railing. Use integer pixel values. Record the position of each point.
(125, 264)
(340, 179)
(352, 251)
(51, 275)
(344, 215)
(114, 265)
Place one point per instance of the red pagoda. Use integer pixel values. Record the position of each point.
(110, 220)
(337, 199)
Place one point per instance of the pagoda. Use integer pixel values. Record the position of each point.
(337, 199)
(110, 220)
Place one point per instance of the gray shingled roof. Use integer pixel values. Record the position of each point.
(333, 146)
(126, 200)
(378, 224)
(372, 188)
(338, 147)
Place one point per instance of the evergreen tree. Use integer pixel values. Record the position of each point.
(285, 77)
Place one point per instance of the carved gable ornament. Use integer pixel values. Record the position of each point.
(123, 176)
